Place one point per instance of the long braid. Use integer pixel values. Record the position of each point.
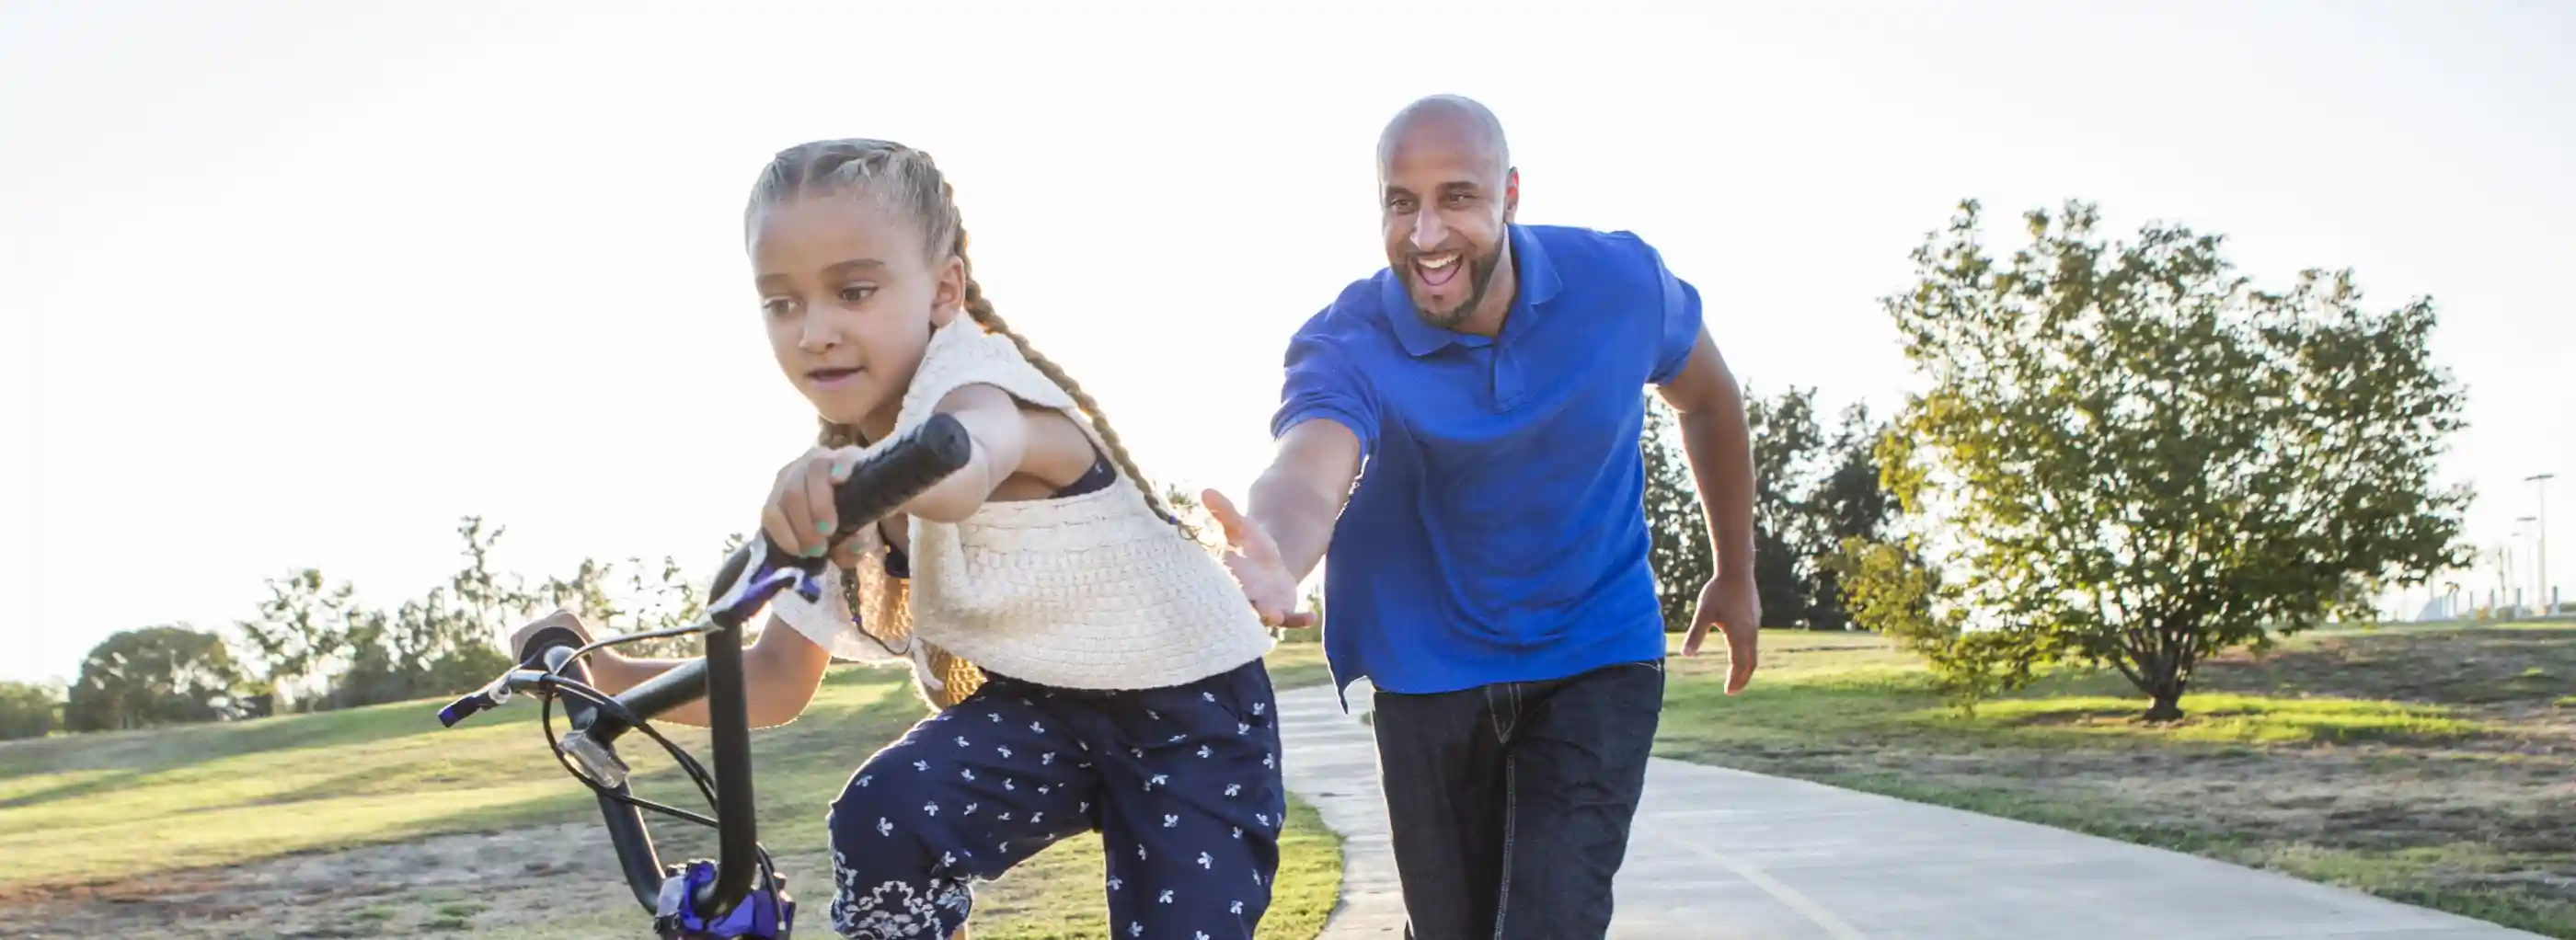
(980, 308)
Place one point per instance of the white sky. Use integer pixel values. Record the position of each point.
(300, 284)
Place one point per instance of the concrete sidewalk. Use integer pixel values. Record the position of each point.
(1720, 854)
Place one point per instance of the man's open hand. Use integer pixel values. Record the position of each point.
(1734, 606)
(1254, 560)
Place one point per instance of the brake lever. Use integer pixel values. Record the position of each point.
(752, 577)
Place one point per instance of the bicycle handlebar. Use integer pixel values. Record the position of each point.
(751, 576)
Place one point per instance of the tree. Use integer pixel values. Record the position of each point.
(26, 710)
(1801, 509)
(301, 628)
(667, 600)
(155, 676)
(2140, 460)
(1848, 503)
(443, 643)
(1788, 534)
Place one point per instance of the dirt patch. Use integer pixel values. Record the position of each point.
(2515, 671)
(458, 883)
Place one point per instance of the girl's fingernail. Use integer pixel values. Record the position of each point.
(824, 527)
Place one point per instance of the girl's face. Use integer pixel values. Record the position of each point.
(850, 301)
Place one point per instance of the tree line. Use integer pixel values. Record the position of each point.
(312, 645)
(1811, 492)
(2127, 457)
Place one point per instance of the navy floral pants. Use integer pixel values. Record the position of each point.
(1182, 783)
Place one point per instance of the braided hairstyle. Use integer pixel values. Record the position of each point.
(905, 181)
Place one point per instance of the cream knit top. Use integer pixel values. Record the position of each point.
(1090, 591)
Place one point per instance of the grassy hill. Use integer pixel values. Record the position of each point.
(378, 822)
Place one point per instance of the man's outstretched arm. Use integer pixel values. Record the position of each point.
(1276, 542)
(1299, 497)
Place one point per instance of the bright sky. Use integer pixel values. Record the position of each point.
(300, 284)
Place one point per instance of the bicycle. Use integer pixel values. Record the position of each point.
(740, 894)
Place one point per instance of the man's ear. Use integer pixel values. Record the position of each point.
(948, 295)
(1511, 194)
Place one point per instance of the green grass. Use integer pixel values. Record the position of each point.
(2241, 718)
(1298, 661)
(2426, 765)
(123, 813)
(126, 804)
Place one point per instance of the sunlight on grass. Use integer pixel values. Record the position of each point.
(2231, 718)
(337, 780)
(2397, 761)
(107, 807)
(164, 837)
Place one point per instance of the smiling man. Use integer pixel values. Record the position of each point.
(1488, 573)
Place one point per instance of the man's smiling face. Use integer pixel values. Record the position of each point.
(1447, 196)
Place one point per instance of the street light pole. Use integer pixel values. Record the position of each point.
(2518, 523)
(2540, 481)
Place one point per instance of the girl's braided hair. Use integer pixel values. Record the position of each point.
(906, 181)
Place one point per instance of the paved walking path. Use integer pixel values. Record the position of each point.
(1721, 854)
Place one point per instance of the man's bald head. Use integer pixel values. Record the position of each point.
(1447, 194)
(1454, 120)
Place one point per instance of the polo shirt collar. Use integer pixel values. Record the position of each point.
(1538, 285)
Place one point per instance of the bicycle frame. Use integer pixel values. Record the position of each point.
(695, 899)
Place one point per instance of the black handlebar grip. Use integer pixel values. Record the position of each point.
(550, 637)
(910, 466)
(877, 485)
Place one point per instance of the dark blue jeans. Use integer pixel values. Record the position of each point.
(1511, 803)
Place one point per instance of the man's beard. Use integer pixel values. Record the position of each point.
(1481, 273)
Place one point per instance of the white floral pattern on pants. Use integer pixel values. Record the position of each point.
(892, 909)
(1182, 783)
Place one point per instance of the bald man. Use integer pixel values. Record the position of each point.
(1488, 571)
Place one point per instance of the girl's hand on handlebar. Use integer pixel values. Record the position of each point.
(561, 618)
(801, 515)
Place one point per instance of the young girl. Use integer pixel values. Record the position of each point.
(1120, 687)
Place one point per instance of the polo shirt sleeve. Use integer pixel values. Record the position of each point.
(1321, 383)
(1678, 331)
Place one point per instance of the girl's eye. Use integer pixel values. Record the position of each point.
(856, 293)
(777, 306)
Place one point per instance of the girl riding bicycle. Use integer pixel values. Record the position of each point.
(1094, 668)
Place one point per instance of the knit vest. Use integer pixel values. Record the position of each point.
(1091, 591)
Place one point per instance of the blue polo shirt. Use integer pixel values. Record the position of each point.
(1497, 532)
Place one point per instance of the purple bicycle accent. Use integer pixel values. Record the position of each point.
(740, 894)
